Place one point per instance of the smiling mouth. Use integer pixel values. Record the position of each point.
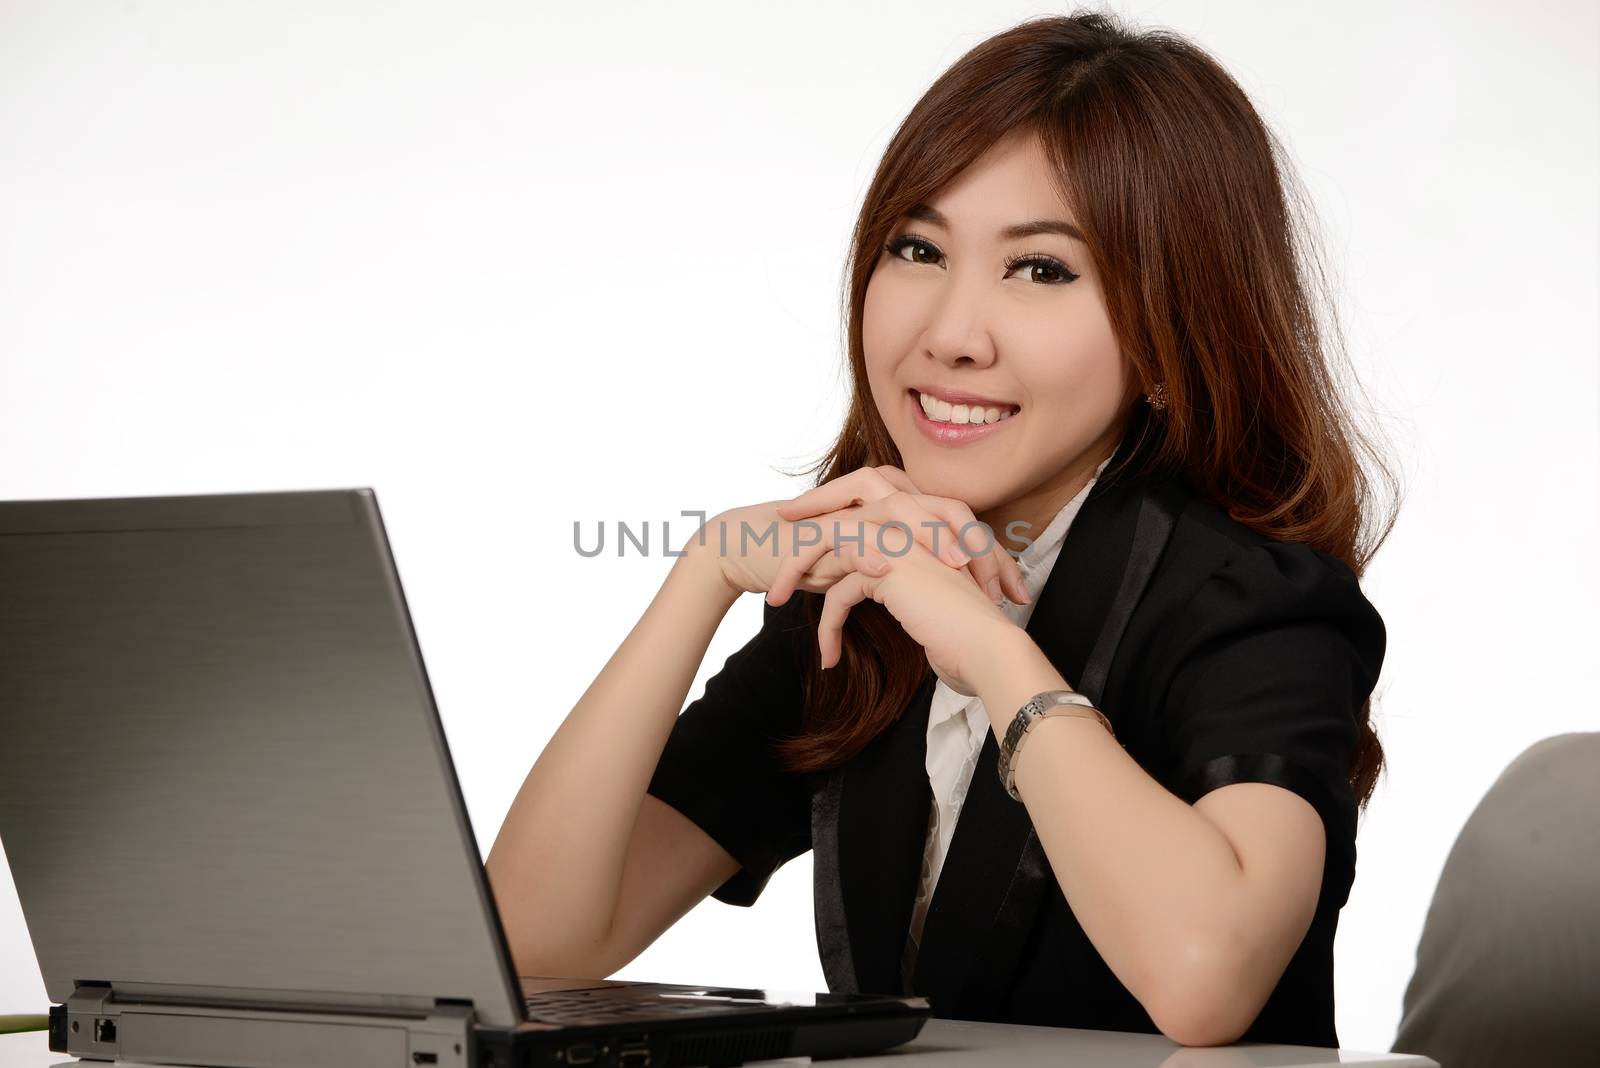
(959, 415)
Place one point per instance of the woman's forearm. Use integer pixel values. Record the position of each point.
(557, 863)
(1155, 885)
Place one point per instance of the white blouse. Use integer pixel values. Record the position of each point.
(957, 725)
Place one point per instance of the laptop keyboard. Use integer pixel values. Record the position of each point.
(604, 1006)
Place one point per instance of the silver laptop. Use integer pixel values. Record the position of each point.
(236, 832)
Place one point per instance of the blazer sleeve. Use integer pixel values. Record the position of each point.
(718, 767)
(1279, 649)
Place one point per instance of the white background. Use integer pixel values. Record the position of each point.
(517, 265)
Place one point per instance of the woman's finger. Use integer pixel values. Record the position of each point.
(795, 567)
(994, 569)
(862, 528)
(931, 529)
(859, 486)
(866, 485)
(870, 563)
(836, 604)
(1014, 580)
(896, 478)
(936, 520)
(973, 541)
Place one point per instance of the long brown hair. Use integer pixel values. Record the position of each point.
(1197, 230)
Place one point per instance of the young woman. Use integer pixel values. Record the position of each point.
(1084, 343)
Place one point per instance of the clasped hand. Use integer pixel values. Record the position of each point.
(876, 536)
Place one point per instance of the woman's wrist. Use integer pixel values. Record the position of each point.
(701, 562)
(1012, 670)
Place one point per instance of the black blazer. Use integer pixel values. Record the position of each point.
(1241, 659)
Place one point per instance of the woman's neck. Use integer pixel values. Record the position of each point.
(1033, 511)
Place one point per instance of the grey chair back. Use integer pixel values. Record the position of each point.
(1508, 967)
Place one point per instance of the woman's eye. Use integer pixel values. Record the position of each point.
(1055, 272)
(1046, 264)
(900, 244)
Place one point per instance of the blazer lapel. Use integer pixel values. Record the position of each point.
(869, 820)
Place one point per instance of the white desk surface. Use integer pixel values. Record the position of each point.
(952, 1043)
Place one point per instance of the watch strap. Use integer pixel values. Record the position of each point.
(1037, 707)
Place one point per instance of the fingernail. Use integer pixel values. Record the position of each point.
(958, 556)
(994, 590)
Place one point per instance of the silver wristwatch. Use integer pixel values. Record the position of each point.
(1039, 706)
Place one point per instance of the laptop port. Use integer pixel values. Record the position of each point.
(634, 1056)
(582, 1053)
(105, 1030)
(420, 1057)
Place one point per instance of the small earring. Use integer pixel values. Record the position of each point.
(1157, 397)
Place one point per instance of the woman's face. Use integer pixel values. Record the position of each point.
(945, 316)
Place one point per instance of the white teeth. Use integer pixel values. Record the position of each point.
(944, 412)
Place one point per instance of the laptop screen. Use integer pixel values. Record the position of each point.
(222, 768)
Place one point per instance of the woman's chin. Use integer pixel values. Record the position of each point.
(977, 493)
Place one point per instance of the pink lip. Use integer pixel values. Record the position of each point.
(950, 433)
(956, 396)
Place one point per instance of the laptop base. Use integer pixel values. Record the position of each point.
(98, 1024)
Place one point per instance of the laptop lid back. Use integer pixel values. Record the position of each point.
(221, 768)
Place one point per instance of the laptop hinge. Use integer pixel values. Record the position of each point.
(102, 1021)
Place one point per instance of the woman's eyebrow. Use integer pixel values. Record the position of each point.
(925, 213)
